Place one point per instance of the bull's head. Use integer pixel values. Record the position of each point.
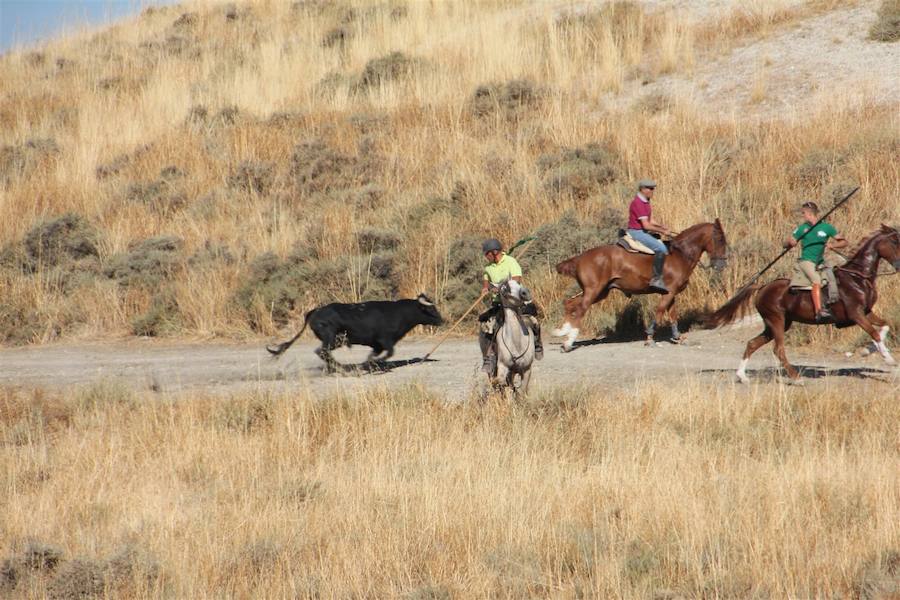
(429, 312)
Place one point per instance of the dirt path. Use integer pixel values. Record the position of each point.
(226, 368)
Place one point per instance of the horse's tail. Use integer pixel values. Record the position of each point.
(280, 348)
(734, 309)
(568, 267)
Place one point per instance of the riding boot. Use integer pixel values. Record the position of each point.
(488, 355)
(823, 315)
(656, 283)
(538, 345)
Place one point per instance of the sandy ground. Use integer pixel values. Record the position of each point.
(453, 370)
(783, 73)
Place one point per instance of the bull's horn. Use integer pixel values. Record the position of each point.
(423, 299)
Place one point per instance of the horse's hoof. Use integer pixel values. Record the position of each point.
(799, 381)
(742, 377)
(890, 362)
(565, 349)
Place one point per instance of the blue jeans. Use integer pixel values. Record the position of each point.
(648, 240)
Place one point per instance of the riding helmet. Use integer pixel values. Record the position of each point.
(491, 245)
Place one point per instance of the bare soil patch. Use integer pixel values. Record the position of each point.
(453, 369)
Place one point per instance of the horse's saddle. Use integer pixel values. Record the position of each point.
(631, 245)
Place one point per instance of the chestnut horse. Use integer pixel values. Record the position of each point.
(780, 306)
(606, 268)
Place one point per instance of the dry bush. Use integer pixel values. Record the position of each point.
(568, 237)
(22, 160)
(254, 177)
(395, 66)
(148, 263)
(505, 99)
(887, 27)
(578, 171)
(163, 195)
(161, 317)
(60, 241)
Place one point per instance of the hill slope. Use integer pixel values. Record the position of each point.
(211, 169)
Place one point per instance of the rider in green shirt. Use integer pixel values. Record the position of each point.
(814, 238)
(500, 268)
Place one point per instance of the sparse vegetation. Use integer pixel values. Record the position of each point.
(570, 493)
(372, 137)
(887, 26)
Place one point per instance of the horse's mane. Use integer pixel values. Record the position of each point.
(678, 241)
(858, 252)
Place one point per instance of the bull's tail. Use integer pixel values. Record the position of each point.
(568, 267)
(735, 308)
(280, 349)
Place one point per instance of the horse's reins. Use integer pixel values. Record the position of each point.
(500, 335)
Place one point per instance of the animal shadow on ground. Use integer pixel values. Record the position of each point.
(632, 327)
(809, 372)
(378, 368)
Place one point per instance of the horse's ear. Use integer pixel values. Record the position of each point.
(718, 223)
(886, 228)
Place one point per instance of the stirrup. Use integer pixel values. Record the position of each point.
(657, 285)
(824, 316)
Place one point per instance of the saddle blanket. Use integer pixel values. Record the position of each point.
(632, 245)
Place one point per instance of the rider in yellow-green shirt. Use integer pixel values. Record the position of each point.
(501, 267)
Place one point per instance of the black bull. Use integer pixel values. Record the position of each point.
(378, 325)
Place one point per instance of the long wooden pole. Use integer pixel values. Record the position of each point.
(471, 308)
(788, 249)
(458, 321)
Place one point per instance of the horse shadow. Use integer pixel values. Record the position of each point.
(808, 372)
(631, 326)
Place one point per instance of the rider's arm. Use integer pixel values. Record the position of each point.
(836, 242)
(654, 226)
(790, 242)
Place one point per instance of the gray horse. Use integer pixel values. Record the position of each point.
(515, 340)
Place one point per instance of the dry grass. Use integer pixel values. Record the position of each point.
(238, 128)
(681, 489)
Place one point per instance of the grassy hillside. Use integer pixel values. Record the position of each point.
(216, 170)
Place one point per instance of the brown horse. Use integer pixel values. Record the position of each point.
(779, 306)
(606, 268)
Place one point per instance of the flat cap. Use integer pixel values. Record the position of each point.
(646, 183)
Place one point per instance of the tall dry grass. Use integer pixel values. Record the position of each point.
(676, 489)
(161, 90)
